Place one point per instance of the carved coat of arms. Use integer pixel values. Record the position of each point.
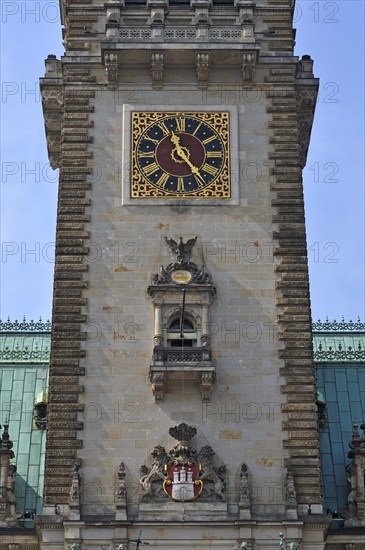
(182, 474)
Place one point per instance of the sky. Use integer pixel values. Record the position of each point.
(332, 33)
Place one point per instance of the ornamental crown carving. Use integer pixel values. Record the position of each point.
(182, 432)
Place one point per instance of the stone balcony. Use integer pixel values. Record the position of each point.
(172, 365)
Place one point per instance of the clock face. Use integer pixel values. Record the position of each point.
(180, 155)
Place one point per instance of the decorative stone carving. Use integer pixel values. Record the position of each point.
(157, 10)
(75, 492)
(244, 494)
(182, 290)
(207, 380)
(248, 65)
(202, 69)
(40, 410)
(111, 69)
(8, 515)
(183, 252)
(201, 13)
(113, 18)
(245, 11)
(113, 13)
(173, 473)
(355, 516)
(157, 69)
(121, 494)
(156, 473)
(290, 496)
(201, 9)
(158, 385)
(215, 478)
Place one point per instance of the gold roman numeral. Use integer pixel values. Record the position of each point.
(163, 180)
(214, 154)
(198, 181)
(164, 128)
(209, 139)
(212, 170)
(197, 128)
(155, 141)
(150, 168)
(146, 154)
(180, 124)
(180, 184)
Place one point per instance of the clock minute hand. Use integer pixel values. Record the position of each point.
(176, 141)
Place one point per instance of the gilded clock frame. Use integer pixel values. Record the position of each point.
(219, 188)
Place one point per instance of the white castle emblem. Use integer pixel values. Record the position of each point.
(183, 484)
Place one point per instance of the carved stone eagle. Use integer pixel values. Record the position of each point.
(181, 250)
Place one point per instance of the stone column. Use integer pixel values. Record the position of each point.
(158, 325)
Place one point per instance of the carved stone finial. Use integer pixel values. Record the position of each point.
(244, 494)
(355, 516)
(8, 514)
(290, 496)
(5, 440)
(121, 494)
(75, 491)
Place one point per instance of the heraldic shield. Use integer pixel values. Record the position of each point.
(182, 474)
(182, 482)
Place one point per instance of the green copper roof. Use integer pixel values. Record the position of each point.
(343, 389)
(24, 361)
(19, 387)
(339, 356)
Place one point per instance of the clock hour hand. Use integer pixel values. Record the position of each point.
(176, 141)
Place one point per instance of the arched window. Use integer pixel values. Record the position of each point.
(174, 339)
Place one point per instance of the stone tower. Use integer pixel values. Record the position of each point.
(182, 395)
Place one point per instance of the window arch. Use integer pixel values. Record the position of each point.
(189, 332)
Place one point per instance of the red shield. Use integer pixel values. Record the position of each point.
(182, 482)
